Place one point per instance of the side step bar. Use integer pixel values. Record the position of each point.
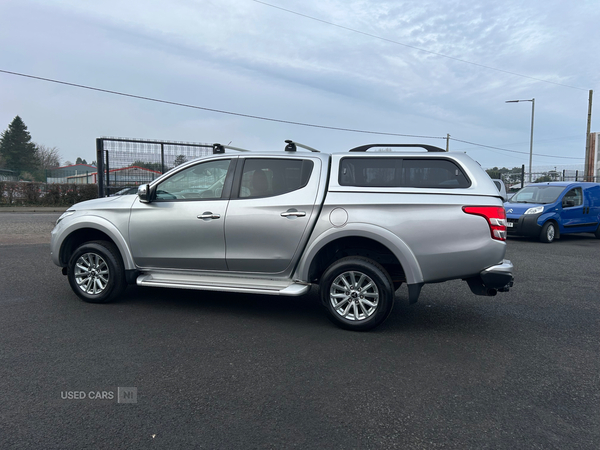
(223, 284)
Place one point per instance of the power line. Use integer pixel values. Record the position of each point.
(512, 151)
(416, 48)
(265, 118)
(185, 105)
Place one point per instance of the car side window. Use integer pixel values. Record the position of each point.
(402, 172)
(268, 177)
(573, 198)
(202, 181)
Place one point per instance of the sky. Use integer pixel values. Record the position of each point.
(423, 68)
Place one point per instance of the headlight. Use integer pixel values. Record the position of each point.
(63, 215)
(535, 210)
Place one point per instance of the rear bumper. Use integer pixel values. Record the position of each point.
(498, 276)
(493, 279)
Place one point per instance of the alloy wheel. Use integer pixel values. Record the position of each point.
(91, 273)
(354, 296)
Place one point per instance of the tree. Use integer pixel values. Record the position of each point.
(180, 159)
(17, 149)
(48, 157)
(80, 161)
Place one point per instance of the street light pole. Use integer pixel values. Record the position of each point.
(531, 137)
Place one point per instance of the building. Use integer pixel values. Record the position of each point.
(8, 175)
(60, 174)
(124, 176)
(594, 156)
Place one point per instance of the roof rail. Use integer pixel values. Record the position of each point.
(291, 146)
(220, 148)
(429, 148)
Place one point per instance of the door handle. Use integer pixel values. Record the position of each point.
(209, 215)
(293, 213)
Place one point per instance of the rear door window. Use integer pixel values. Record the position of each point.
(268, 177)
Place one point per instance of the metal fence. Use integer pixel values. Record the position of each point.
(131, 162)
(514, 180)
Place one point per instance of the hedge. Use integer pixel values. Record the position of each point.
(14, 193)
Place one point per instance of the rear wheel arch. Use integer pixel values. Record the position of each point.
(357, 246)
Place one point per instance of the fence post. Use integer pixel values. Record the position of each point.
(100, 166)
(107, 175)
(522, 175)
(576, 175)
(162, 158)
(563, 178)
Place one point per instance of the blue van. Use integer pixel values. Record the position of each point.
(547, 210)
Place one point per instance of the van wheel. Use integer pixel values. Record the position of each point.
(96, 272)
(597, 233)
(357, 293)
(548, 232)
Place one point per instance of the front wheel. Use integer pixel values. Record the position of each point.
(357, 293)
(548, 232)
(96, 272)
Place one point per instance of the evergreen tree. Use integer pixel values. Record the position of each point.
(16, 148)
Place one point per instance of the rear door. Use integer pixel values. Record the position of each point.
(271, 212)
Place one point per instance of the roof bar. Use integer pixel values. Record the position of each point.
(220, 148)
(429, 148)
(291, 146)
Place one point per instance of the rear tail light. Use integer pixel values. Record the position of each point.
(495, 216)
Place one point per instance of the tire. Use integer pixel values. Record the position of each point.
(96, 272)
(354, 308)
(548, 232)
(597, 233)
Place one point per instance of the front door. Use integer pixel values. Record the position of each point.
(183, 226)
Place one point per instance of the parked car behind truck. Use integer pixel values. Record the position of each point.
(358, 224)
(549, 210)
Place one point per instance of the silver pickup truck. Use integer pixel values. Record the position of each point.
(358, 224)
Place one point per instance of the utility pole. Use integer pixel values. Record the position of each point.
(589, 163)
(448, 142)
(531, 137)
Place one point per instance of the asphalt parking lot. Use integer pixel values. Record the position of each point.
(516, 371)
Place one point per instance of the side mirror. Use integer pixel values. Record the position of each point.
(144, 193)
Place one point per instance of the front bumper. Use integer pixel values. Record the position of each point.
(497, 278)
(525, 225)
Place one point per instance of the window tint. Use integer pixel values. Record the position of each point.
(402, 172)
(202, 181)
(573, 198)
(266, 177)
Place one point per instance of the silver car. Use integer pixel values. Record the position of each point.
(358, 224)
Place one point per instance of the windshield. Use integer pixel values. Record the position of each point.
(537, 194)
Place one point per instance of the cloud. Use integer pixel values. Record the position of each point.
(254, 59)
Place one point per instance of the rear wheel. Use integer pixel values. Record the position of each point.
(96, 272)
(548, 232)
(357, 293)
(597, 233)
